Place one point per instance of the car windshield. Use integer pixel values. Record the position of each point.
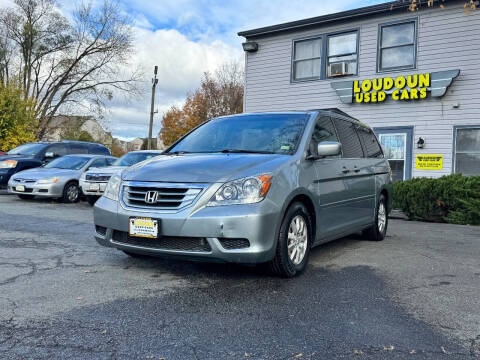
(133, 158)
(257, 133)
(68, 162)
(27, 149)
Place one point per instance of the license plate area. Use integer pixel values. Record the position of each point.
(143, 227)
(94, 187)
(20, 188)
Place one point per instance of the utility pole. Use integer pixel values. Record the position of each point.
(154, 84)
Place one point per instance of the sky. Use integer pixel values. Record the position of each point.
(186, 38)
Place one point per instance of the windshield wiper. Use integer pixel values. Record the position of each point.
(177, 153)
(240, 151)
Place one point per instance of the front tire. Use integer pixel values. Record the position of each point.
(378, 231)
(294, 242)
(71, 193)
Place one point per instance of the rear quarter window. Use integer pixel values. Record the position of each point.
(370, 143)
(96, 149)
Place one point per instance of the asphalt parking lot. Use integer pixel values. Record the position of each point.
(414, 295)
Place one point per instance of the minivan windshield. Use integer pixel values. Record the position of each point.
(253, 133)
(133, 158)
(68, 162)
(27, 149)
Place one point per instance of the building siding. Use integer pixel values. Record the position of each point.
(446, 41)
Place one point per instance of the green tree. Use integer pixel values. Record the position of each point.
(17, 116)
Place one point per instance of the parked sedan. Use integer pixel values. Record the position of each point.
(57, 179)
(94, 181)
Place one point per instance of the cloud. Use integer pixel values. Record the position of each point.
(181, 63)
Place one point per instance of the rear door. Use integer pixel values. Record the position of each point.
(358, 175)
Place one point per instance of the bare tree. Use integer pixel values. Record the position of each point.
(68, 64)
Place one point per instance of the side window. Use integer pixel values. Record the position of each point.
(323, 131)
(78, 149)
(352, 148)
(98, 163)
(111, 160)
(370, 143)
(58, 149)
(98, 150)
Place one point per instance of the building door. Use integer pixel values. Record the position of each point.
(397, 146)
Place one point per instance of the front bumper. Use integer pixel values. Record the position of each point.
(90, 190)
(256, 223)
(45, 190)
(5, 175)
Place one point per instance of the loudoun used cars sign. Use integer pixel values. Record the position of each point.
(400, 88)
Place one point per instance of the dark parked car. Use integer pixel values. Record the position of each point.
(33, 155)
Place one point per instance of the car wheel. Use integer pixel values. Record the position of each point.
(26, 197)
(92, 199)
(71, 193)
(294, 242)
(379, 229)
(134, 255)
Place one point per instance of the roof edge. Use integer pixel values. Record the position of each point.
(329, 18)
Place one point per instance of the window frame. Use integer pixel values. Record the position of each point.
(454, 149)
(380, 69)
(323, 59)
(357, 42)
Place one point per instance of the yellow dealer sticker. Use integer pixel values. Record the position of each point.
(429, 162)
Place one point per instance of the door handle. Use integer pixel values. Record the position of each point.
(356, 169)
(345, 170)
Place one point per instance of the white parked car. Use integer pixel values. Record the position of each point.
(94, 181)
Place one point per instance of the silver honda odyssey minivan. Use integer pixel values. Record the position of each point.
(252, 188)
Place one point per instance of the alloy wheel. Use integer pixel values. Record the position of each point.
(382, 217)
(297, 239)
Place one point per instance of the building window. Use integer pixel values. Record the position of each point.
(467, 151)
(342, 53)
(397, 46)
(307, 58)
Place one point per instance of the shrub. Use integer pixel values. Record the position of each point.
(454, 199)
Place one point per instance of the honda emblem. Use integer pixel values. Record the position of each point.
(151, 197)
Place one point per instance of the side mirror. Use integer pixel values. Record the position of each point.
(329, 148)
(50, 155)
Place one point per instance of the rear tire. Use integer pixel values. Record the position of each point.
(92, 199)
(25, 197)
(294, 242)
(378, 231)
(71, 193)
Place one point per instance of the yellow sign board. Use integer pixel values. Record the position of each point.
(429, 162)
(411, 87)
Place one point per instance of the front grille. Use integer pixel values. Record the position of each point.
(101, 230)
(26, 181)
(195, 244)
(100, 178)
(234, 243)
(165, 197)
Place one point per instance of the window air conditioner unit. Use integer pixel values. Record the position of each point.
(339, 69)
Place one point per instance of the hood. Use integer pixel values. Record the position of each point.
(42, 173)
(110, 170)
(203, 168)
(15, 157)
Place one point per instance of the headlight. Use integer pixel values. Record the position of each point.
(52, 180)
(113, 188)
(8, 164)
(242, 191)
